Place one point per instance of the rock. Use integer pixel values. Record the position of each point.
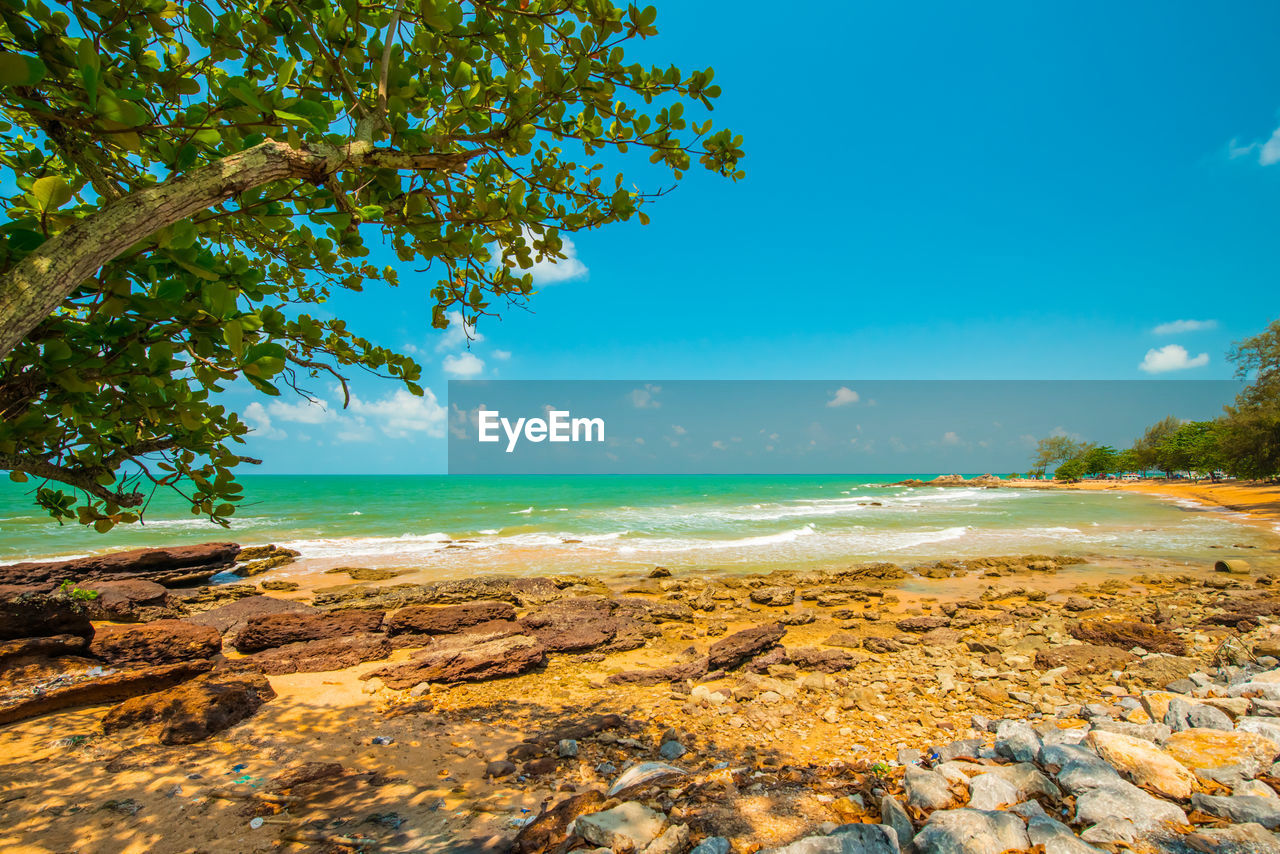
(966, 831)
(1180, 714)
(96, 689)
(130, 600)
(991, 792)
(1241, 809)
(500, 768)
(1119, 798)
(847, 839)
(258, 559)
(991, 693)
(1126, 634)
(280, 585)
(464, 662)
(673, 840)
(1255, 788)
(671, 750)
(1084, 659)
(727, 653)
(775, 597)
(823, 660)
(447, 619)
(644, 774)
(48, 647)
(659, 572)
(26, 612)
(1156, 733)
(712, 845)
(1054, 837)
(1241, 753)
(1026, 780)
(927, 790)
(229, 618)
(1268, 728)
(168, 566)
(693, 669)
(541, 767)
(1016, 740)
(195, 710)
(548, 830)
(322, 655)
(894, 814)
(265, 631)
(158, 642)
(307, 772)
(1061, 755)
(1236, 839)
(1144, 764)
(922, 624)
(630, 826)
(569, 625)
(1114, 832)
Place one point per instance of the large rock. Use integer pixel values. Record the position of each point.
(447, 619)
(967, 831)
(847, 839)
(1084, 658)
(1212, 752)
(271, 630)
(130, 600)
(629, 826)
(518, 589)
(228, 619)
(27, 612)
(168, 566)
(463, 661)
(94, 689)
(1241, 809)
(548, 830)
(1144, 764)
(729, 652)
(195, 710)
(927, 790)
(315, 656)
(569, 625)
(693, 668)
(158, 642)
(1126, 634)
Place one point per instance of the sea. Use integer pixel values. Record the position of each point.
(582, 524)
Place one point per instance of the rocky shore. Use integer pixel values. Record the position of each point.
(1025, 703)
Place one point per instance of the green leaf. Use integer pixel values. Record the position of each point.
(19, 70)
(51, 192)
(233, 334)
(18, 477)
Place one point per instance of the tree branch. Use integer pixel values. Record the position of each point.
(50, 471)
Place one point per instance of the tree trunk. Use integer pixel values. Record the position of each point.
(40, 282)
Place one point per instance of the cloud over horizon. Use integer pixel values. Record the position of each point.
(1175, 327)
(1171, 357)
(844, 396)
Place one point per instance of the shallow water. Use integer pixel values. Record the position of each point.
(610, 523)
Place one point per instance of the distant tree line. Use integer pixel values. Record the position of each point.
(1243, 442)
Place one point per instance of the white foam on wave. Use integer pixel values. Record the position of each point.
(525, 512)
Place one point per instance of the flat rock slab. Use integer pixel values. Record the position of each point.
(264, 631)
(195, 710)
(464, 661)
(729, 652)
(322, 655)
(629, 826)
(229, 618)
(94, 690)
(27, 611)
(169, 566)
(1126, 634)
(447, 619)
(1084, 658)
(158, 642)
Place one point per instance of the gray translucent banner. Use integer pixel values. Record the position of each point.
(799, 427)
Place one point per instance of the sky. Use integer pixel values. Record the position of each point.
(933, 191)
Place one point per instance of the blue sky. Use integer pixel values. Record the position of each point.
(933, 191)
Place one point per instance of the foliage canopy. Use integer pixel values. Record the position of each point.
(185, 179)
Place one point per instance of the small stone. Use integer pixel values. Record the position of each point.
(712, 845)
(567, 748)
(894, 814)
(1016, 740)
(671, 750)
(673, 840)
(499, 768)
(991, 792)
(927, 790)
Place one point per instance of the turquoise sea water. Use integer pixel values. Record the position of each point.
(462, 525)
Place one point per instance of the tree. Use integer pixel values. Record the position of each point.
(1070, 470)
(1100, 459)
(1144, 449)
(186, 179)
(1193, 448)
(1054, 449)
(1249, 435)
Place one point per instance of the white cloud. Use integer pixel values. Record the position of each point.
(1268, 152)
(257, 418)
(501, 355)
(647, 397)
(679, 431)
(950, 438)
(311, 410)
(403, 414)
(1176, 327)
(843, 397)
(549, 271)
(1171, 357)
(464, 365)
(719, 445)
(458, 333)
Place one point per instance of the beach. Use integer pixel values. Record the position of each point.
(432, 728)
